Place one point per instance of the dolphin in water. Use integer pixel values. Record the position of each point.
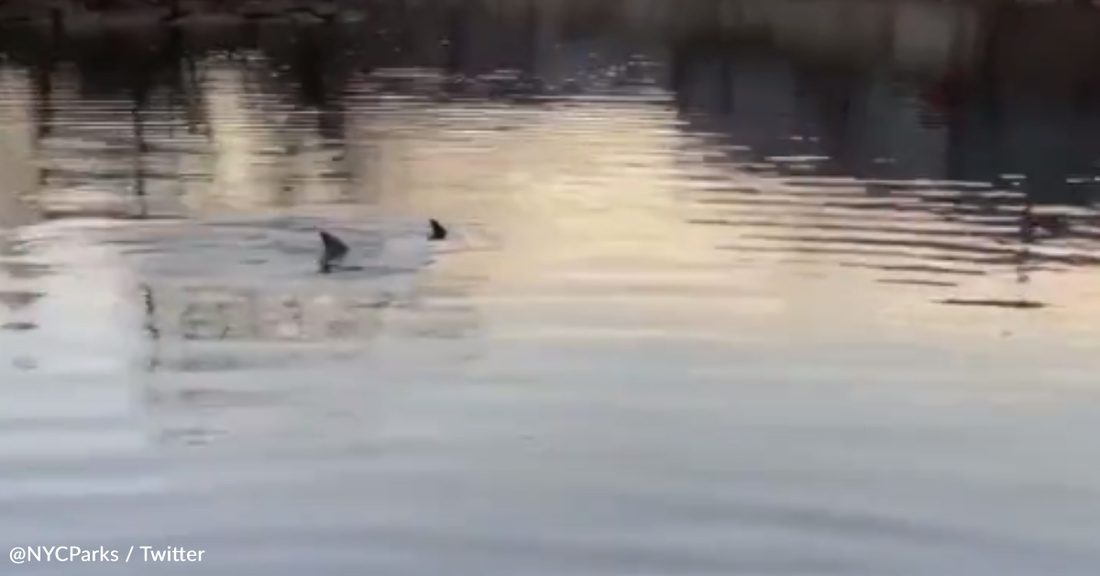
(333, 249)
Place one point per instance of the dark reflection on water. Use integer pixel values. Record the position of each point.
(727, 291)
(969, 147)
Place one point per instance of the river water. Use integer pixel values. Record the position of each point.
(703, 309)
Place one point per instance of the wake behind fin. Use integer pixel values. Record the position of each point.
(334, 249)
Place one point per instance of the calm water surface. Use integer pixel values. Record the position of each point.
(704, 310)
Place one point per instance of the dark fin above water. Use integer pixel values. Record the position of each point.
(438, 231)
(333, 250)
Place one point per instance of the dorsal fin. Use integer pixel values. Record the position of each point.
(333, 249)
(438, 231)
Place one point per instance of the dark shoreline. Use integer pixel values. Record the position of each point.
(1050, 47)
(92, 17)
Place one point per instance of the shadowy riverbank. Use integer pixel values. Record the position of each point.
(1049, 43)
(986, 76)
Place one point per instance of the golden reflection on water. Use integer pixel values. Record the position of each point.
(702, 336)
(633, 213)
(597, 205)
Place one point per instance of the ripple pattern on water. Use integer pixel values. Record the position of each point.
(701, 311)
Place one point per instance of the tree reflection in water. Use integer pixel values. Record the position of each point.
(200, 335)
(253, 314)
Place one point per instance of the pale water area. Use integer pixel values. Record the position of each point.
(705, 308)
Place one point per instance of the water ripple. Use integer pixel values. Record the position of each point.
(705, 307)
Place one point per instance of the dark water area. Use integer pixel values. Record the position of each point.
(717, 299)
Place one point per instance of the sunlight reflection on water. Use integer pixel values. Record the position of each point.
(660, 338)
